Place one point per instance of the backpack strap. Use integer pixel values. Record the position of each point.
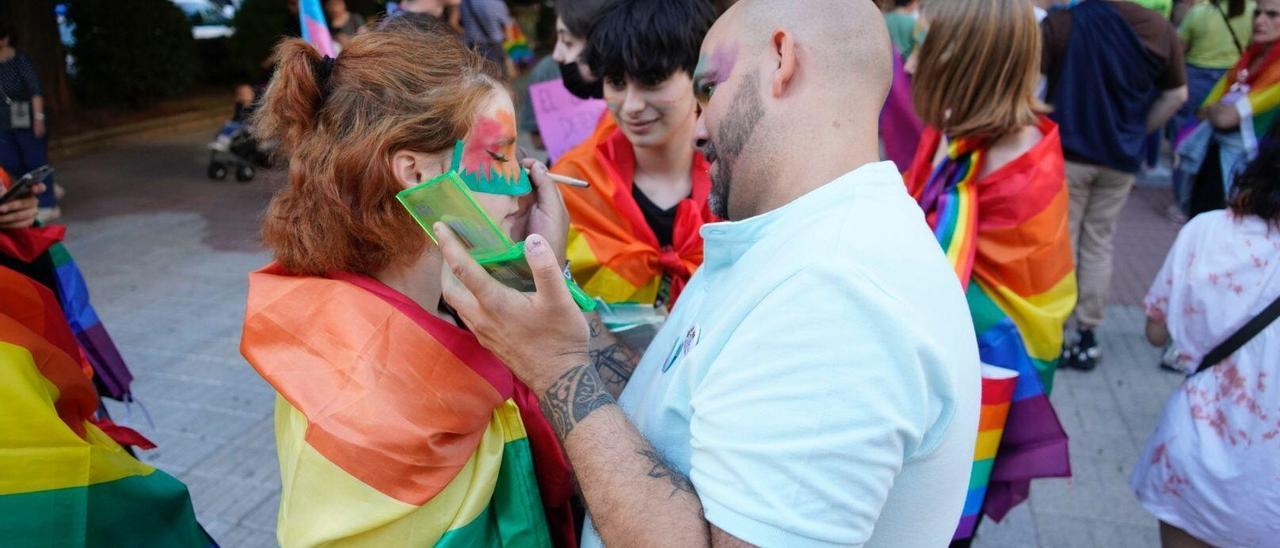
(1242, 336)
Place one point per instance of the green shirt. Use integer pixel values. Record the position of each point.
(1163, 7)
(1209, 43)
(901, 28)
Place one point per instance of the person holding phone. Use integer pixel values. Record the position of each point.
(20, 210)
(36, 251)
(387, 403)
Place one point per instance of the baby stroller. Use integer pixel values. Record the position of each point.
(235, 148)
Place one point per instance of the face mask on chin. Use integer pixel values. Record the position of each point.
(577, 85)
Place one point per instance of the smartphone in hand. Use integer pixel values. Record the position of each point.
(22, 188)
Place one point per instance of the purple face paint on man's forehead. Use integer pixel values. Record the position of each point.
(717, 66)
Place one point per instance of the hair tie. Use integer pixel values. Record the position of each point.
(323, 70)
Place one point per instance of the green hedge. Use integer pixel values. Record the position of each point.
(131, 52)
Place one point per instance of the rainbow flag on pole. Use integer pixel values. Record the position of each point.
(63, 480)
(1006, 236)
(314, 28)
(395, 428)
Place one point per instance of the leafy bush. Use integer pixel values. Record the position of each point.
(131, 51)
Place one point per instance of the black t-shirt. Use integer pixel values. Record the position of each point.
(661, 221)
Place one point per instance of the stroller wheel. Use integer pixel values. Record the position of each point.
(217, 171)
(244, 173)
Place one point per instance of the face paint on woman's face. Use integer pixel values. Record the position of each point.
(486, 160)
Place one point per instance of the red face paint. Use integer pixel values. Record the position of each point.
(490, 150)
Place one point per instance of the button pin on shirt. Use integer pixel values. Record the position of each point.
(682, 347)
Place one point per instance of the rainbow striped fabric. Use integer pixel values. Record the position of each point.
(516, 45)
(1006, 236)
(997, 394)
(395, 428)
(113, 375)
(38, 253)
(63, 481)
(613, 253)
(314, 28)
(1264, 90)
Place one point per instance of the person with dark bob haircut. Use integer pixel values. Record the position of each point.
(574, 21)
(1209, 472)
(634, 234)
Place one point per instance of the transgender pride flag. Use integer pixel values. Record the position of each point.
(314, 28)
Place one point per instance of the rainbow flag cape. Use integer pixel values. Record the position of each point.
(395, 428)
(314, 28)
(63, 480)
(1263, 96)
(516, 45)
(38, 253)
(1006, 236)
(612, 251)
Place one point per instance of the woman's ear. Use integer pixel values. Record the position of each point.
(407, 168)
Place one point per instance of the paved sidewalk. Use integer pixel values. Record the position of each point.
(166, 251)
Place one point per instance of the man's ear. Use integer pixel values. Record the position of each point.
(783, 46)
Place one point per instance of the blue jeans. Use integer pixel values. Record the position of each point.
(20, 152)
(1232, 157)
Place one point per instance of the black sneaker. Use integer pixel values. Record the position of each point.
(1084, 354)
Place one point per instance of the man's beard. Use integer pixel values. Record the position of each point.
(724, 149)
(577, 85)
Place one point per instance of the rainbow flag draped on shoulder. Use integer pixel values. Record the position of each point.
(1006, 236)
(613, 253)
(63, 480)
(38, 253)
(1263, 92)
(395, 428)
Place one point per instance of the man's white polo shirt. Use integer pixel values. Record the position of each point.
(818, 380)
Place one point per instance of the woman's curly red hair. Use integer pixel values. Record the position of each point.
(388, 91)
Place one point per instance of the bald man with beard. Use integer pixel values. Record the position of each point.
(818, 382)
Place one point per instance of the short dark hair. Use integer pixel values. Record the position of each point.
(649, 40)
(1257, 188)
(6, 31)
(580, 16)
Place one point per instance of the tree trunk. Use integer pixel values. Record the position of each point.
(36, 31)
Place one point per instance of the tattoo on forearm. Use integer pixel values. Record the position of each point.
(573, 397)
(614, 362)
(660, 468)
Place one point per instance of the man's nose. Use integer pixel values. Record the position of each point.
(700, 135)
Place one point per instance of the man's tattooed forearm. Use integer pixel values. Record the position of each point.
(614, 363)
(572, 397)
(660, 468)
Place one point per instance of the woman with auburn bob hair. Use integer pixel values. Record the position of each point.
(989, 175)
(394, 427)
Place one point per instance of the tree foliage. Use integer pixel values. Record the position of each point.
(131, 52)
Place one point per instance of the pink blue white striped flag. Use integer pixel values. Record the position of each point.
(314, 28)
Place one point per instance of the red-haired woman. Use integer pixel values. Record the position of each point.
(394, 427)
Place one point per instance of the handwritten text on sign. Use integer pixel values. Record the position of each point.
(563, 120)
